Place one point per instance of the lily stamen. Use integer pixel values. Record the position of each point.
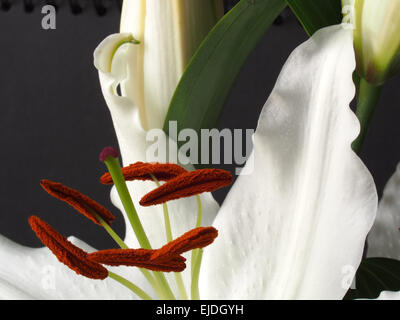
(144, 171)
(166, 259)
(197, 238)
(67, 253)
(75, 258)
(188, 184)
(78, 201)
(109, 156)
(141, 258)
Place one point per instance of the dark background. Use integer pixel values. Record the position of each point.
(54, 121)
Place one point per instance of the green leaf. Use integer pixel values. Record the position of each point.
(316, 14)
(374, 276)
(204, 87)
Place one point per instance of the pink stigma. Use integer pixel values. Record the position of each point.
(108, 152)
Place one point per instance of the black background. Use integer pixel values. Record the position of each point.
(54, 121)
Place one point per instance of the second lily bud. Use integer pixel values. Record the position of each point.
(376, 37)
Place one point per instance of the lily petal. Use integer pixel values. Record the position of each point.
(133, 146)
(169, 32)
(294, 227)
(27, 273)
(384, 238)
(389, 295)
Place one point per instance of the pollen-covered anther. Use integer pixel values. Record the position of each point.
(194, 239)
(88, 207)
(188, 184)
(144, 171)
(67, 253)
(141, 258)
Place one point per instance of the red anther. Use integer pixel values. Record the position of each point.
(67, 253)
(141, 258)
(143, 171)
(79, 201)
(194, 239)
(188, 184)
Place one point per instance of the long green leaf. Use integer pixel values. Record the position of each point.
(316, 14)
(374, 276)
(206, 83)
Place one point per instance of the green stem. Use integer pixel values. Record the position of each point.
(168, 294)
(198, 224)
(167, 223)
(168, 233)
(112, 233)
(199, 212)
(119, 181)
(180, 285)
(134, 288)
(196, 256)
(368, 97)
(195, 277)
(123, 245)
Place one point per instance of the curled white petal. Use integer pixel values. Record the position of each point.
(104, 53)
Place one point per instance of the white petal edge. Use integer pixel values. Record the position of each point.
(133, 146)
(389, 295)
(384, 238)
(296, 226)
(104, 53)
(30, 274)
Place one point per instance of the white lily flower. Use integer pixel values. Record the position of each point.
(289, 230)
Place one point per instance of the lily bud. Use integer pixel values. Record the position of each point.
(376, 37)
(169, 33)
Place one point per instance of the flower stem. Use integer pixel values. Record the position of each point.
(198, 224)
(181, 286)
(199, 212)
(123, 245)
(118, 178)
(168, 294)
(134, 288)
(196, 255)
(368, 98)
(195, 276)
(168, 233)
(111, 232)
